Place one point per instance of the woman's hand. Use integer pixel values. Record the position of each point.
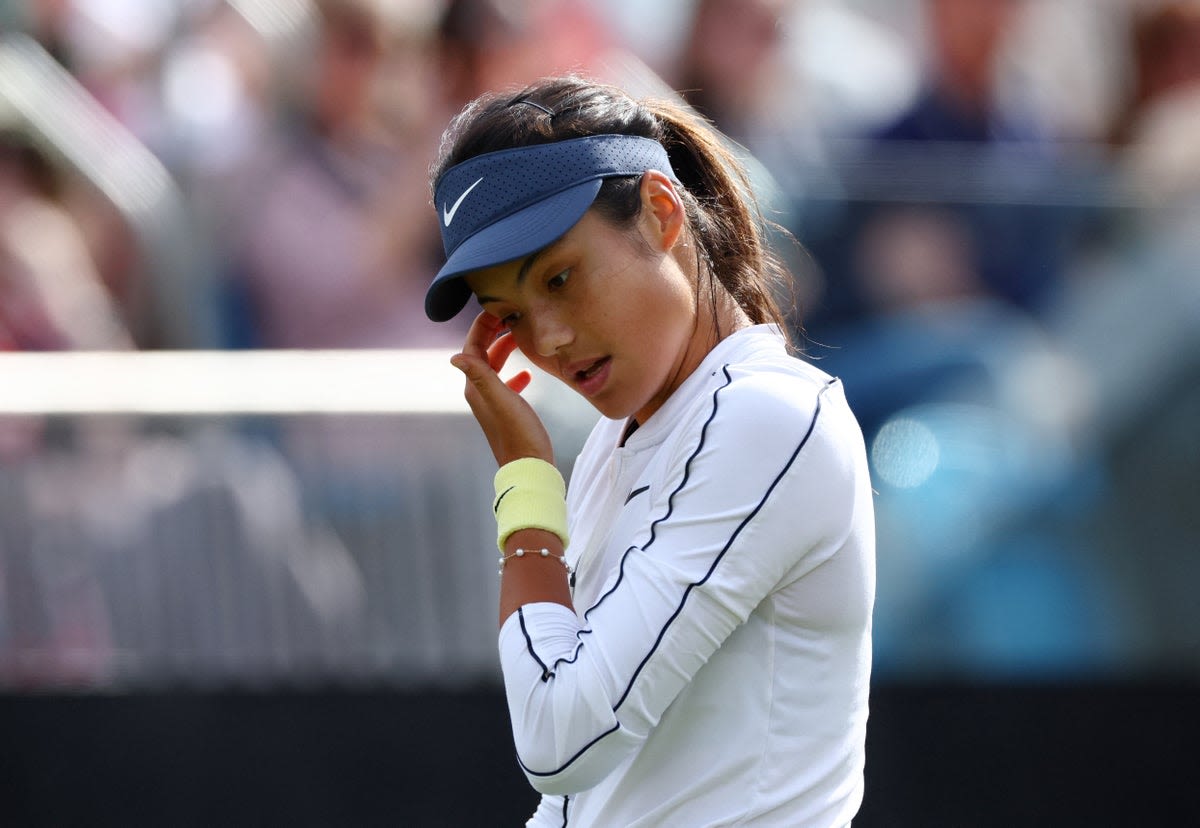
(513, 429)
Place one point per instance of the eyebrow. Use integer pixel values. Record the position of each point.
(521, 274)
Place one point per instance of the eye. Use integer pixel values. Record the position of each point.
(510, 319)
(558, 280)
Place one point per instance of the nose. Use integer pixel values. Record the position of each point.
(550, 333)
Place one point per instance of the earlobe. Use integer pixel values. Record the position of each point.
(662, 209)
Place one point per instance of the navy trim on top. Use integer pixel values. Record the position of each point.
(690, 587)
(570, 761)
(736, 532)
(547, 673)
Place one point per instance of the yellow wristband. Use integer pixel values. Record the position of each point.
(530, 494)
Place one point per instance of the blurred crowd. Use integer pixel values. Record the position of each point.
(992, 208)
(995, 135)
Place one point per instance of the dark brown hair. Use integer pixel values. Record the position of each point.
(722, 213)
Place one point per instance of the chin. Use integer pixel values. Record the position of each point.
(611, 410)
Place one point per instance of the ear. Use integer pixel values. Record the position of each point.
(663, 217)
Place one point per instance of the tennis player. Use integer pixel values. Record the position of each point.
(685, 634)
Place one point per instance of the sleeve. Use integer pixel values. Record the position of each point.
(551, 813)
(758, 497)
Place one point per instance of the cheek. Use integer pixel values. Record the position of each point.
(666, 310)
(525, 347)
(644, 313)
(659, 329)
(530, 354)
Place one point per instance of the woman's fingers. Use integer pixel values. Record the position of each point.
(482, 334)
(513, 429)
(488, 339)
(500, 351)
(520, 381)
(479, 374)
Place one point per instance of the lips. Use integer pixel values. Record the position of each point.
(589, 376)
(590, 370)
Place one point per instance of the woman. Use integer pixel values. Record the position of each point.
(699, 653)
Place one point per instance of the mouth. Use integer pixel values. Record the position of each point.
(592, 376)
(590, 370)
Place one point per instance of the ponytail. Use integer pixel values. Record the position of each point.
(727, 220)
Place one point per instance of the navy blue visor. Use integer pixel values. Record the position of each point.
(505, 205)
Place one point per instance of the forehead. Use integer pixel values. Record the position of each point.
(491, 283)
(494, 281)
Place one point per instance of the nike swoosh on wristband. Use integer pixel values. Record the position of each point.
(496, 505)
(448, 215)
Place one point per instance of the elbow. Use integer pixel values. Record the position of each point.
(555, 771)
(565, 783)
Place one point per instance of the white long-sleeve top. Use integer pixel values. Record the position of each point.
(716, 668)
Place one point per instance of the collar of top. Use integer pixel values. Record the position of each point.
(503, 205)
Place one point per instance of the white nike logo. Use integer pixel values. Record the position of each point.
(448, 215)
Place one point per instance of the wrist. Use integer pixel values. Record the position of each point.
(520, 549)
(530, 494)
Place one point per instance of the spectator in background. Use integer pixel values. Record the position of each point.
(1157, 134)
(51, 294)
(928, 329)
(732, 66)
(958, 102)
(113, 57)
(958, 145)
(490, 44)
(338, 238)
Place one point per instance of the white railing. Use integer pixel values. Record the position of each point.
(244, 518)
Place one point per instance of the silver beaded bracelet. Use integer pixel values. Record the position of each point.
(521, 553)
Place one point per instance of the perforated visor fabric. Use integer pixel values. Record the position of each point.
(504, 205)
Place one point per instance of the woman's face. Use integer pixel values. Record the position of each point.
(608, 311)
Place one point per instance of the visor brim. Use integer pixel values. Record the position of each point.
(521, 234)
